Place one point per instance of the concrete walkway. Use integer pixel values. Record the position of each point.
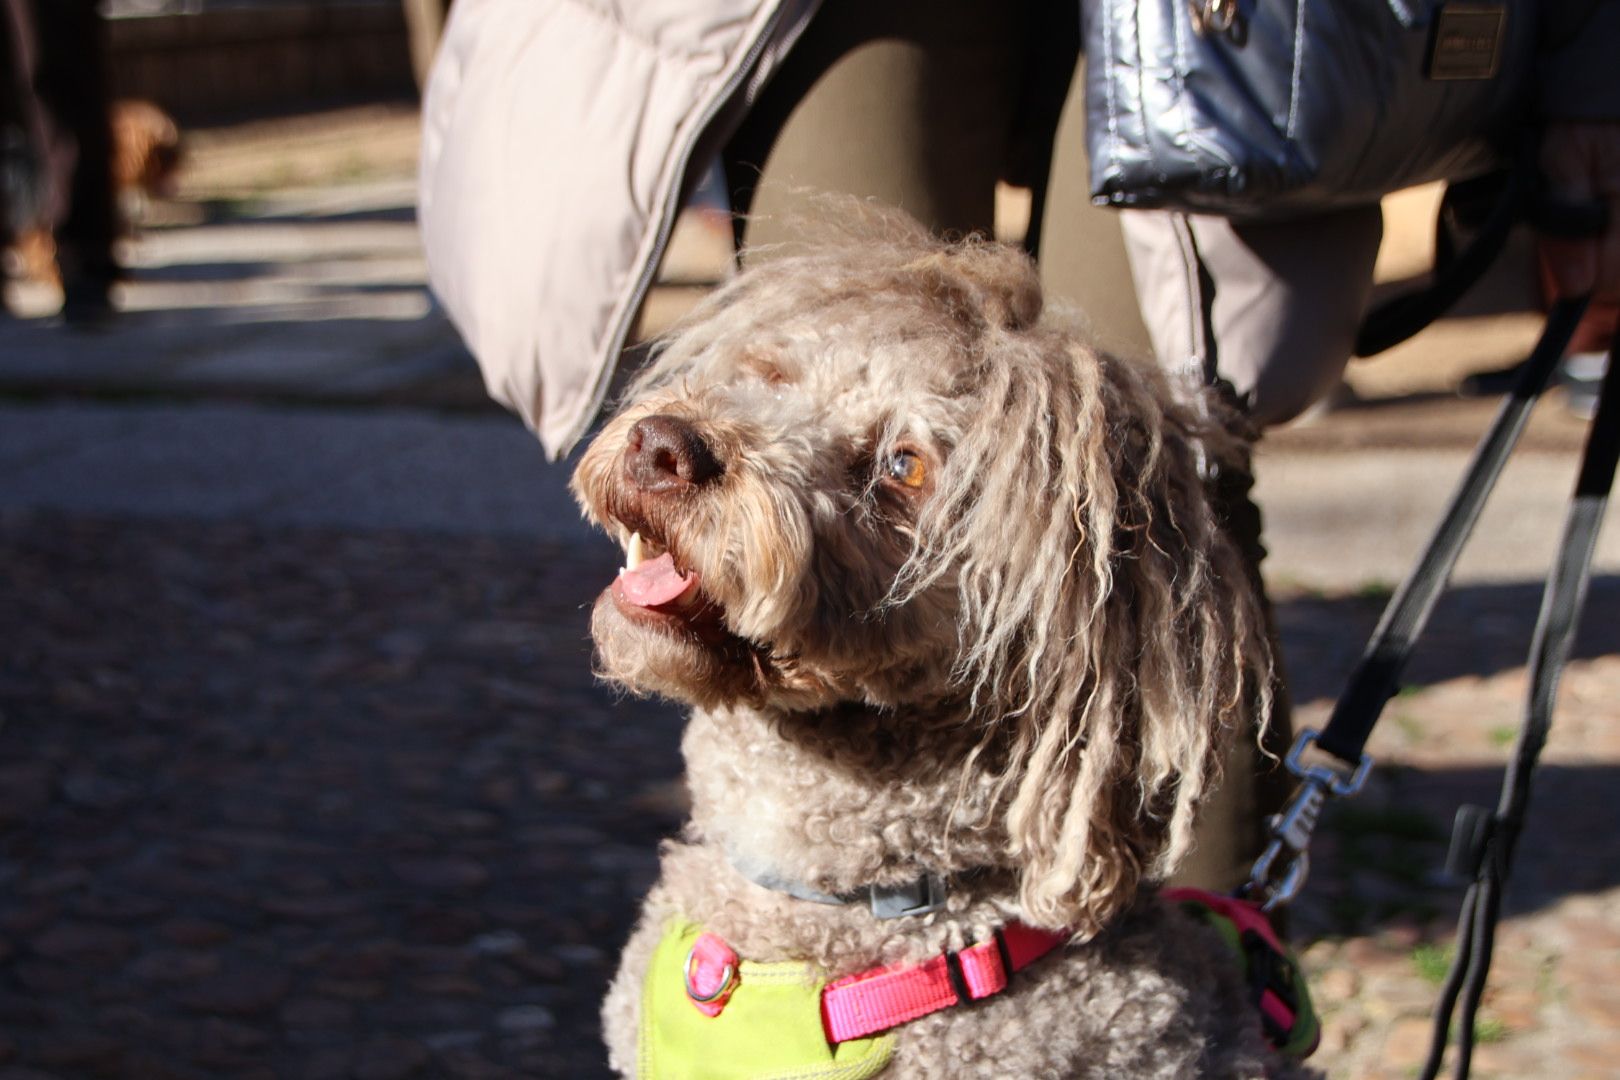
(304, 295)
(1336, 522)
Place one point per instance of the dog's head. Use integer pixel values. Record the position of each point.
(872, 473)
(147, 148)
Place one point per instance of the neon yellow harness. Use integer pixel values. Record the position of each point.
(772, 1032)
(707, 1014)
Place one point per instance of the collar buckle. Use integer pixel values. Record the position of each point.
(924, 896)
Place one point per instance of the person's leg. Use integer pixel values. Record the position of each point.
(1271, 309)
(1269, 314)
(906, 102)
(75, 84)
(24, 131)
(1083, 259)
(15, 83)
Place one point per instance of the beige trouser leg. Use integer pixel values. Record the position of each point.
(1083, 247)
(1272, 309)
(904, 102)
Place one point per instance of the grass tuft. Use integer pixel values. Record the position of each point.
(1432, 962)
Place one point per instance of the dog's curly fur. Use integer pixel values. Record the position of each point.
(964, 608)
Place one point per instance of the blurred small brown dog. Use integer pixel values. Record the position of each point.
(147, 152)
(146, 156)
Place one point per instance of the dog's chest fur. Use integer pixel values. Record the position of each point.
(842, 799)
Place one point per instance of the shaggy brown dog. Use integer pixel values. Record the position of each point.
(944, 589)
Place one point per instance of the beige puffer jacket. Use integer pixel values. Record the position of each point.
(556, 138)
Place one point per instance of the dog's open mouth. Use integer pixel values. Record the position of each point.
(651, 580)
(653, 588)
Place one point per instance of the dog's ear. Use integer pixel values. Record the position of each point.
(1110, 634)
(993, 282)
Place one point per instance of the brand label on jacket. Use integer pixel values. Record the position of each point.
(1467, 41)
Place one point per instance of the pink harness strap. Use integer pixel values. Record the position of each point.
(1290, 1021)
(872, 1001)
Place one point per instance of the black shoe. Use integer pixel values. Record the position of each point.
(1491, 383)
(88, 306)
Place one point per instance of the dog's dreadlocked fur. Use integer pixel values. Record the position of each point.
(963, 607)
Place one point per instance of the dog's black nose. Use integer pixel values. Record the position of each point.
(664, 453)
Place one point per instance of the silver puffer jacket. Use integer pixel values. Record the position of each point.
(1271, 109)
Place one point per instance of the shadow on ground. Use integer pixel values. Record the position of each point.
(246, 211)
(1478, 629)
(1380, 857)
(337, 804)
(329, 804)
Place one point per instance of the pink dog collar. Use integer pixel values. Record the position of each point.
(873, 1001)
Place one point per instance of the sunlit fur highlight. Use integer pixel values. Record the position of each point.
(1024, 679)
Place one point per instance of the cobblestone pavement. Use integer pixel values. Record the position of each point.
(296, 803)
(1377, 918)
(310, 805)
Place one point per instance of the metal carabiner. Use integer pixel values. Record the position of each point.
(1280, 871)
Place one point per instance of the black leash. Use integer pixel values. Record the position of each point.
(1281, 869)
(1483, 842)
(1377, 677)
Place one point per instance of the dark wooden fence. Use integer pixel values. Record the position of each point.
(240, 60)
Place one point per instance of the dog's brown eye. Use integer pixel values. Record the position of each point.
(908, 468)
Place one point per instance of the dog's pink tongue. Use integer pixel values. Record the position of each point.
(655, 582)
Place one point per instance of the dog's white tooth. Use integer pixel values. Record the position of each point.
(634, 552)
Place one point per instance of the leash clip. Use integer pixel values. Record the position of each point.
(1280, 871)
